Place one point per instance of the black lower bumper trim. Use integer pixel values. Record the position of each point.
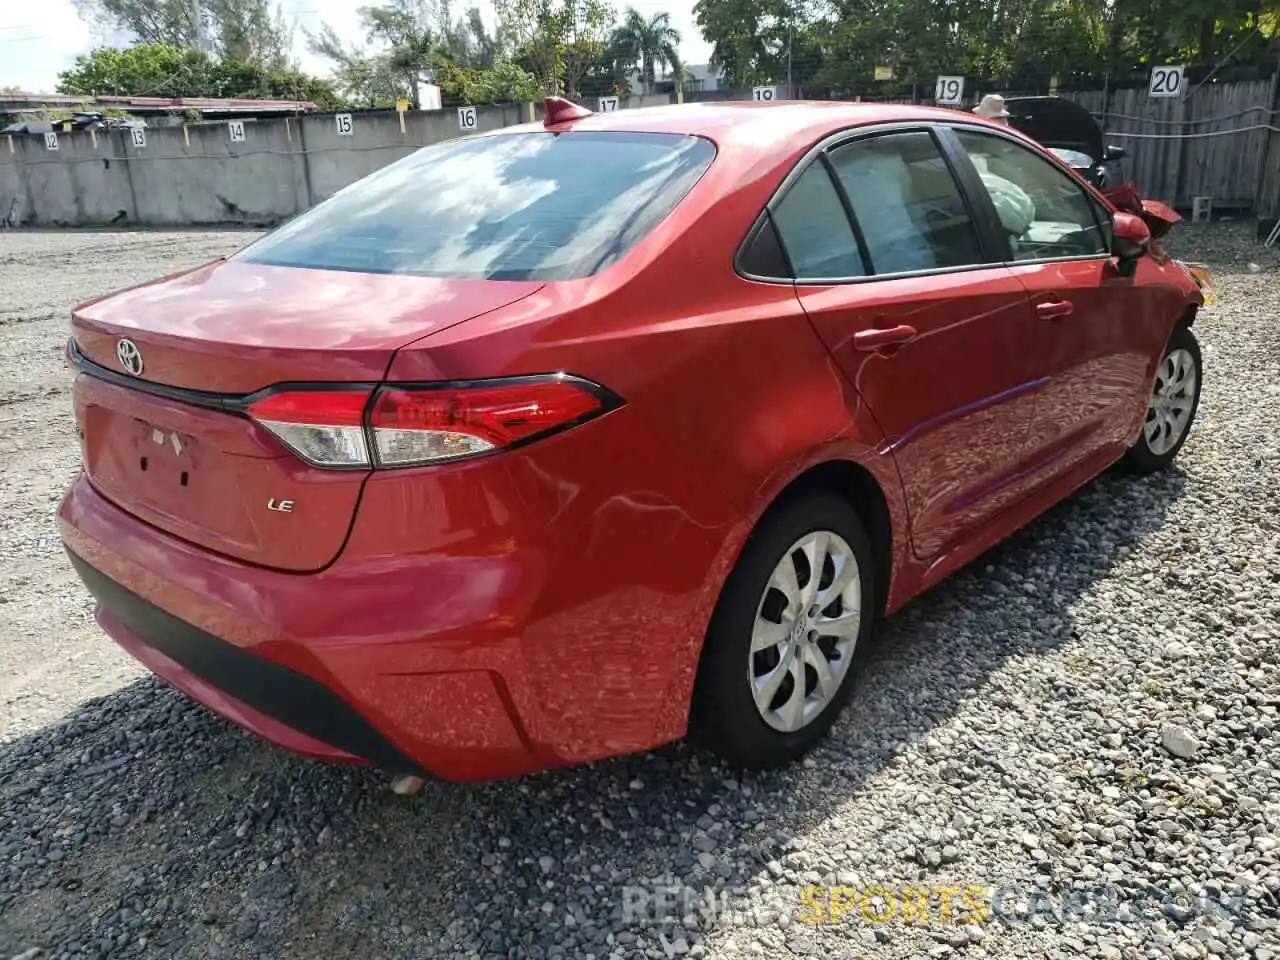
(296, 700)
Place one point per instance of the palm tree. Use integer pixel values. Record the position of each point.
(648, 43)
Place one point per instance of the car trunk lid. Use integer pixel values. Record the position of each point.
(165, 435)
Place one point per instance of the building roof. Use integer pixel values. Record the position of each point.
(25, 102)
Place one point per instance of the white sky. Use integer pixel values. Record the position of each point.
(39, 39)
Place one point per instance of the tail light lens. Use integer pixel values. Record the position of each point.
(397, 426)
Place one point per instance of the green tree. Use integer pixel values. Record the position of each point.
(559, 41)
(504, 82)
(249, 30)
(647, 44)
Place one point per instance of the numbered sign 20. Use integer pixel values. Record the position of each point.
(342, 122)
(467, 118)
(949, 91)
(138, 135)
(608, 104)
(51, 141)
(764, 93)
(1165, 81)
(235, 130)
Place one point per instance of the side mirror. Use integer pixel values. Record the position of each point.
(1112, 152)
(1130, 236)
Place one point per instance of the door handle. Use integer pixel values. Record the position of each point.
(877, 339)
(1055, 309)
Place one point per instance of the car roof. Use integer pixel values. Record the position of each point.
(759, 124)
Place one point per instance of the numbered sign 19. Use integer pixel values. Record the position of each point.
(608, 104)
(467, 118)
(764, 93)
(342, 123)
(235, 130)
(1165, 81)
(51, 141)
(138, 135)
(949, 91)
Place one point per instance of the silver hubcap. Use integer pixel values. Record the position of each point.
(805, 630)
(1173, 393)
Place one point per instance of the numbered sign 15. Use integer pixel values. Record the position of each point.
(342, 122)
(139, 136)
(467, 118)
(608, 104)
(235, 130)
(51, 141)
(949, 91)
(764, 93)
(1165, 81)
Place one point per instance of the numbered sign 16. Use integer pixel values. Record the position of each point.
(608, 104)
(51, 141)
(342, 122)
(467, 118)
(949, 91)
(1165, 81)
(139, 136)
(764, 93)
(235, 130)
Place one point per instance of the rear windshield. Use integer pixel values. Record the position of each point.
(521, 206)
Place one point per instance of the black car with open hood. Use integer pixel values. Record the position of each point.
(1067, 129)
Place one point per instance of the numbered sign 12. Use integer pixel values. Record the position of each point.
(764, 93)
(51, 141)
(949, 91)
(1166, 81)
(139, 136)
(608, 104)
(467, 119)
(235, 130)
(342, 122)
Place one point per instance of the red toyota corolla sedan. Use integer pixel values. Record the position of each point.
(567, 440)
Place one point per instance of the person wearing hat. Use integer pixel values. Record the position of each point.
(992, 108)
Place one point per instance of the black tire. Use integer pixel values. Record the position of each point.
(1141, 458)
(724, 716)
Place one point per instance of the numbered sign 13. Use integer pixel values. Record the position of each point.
(139, 136)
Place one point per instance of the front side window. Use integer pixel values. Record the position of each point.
(525, 206)
(1044, 212)
(907, 203)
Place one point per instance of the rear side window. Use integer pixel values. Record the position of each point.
(815, 230)
(907, 204)
(527, 206)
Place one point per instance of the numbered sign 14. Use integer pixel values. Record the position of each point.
(235, 130)
(138, 135)
(608, 104)
(764, 93)
(949, 91)
(1166, 81)
(342, 122)
(467, 119)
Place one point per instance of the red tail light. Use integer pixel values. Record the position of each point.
(412, 425)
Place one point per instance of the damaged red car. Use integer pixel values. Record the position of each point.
(570, 439)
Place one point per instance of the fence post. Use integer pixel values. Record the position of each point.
(1179, 151)
(1266, 201)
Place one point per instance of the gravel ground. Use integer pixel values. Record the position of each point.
(1091, 707)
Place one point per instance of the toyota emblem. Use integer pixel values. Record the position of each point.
(130, 357)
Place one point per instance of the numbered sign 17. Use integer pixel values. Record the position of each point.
(467, 119)
(1165, 81)
(949, 91)
(139, 136)
(51, 141)
(608, 104)
(235, 130)
(764, 93)
(342, 122)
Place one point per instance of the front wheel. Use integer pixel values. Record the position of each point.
(792, 623)
(1172, 405)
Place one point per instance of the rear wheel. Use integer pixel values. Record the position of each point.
(787, 635)
(1172, 405)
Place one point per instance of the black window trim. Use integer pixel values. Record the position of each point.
(974, 184)
(994, 245)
